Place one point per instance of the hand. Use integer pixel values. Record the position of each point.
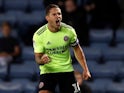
(86, 75)
(45, 59)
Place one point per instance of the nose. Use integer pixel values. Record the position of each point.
(58, 16)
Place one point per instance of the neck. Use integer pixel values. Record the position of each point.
(52, 29)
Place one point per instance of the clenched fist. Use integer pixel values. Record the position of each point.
(45, 59)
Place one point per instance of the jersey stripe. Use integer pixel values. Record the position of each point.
(75, 43)
(41, 30)
(67, 26)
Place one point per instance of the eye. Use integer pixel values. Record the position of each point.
(59, 13)
(54, 14)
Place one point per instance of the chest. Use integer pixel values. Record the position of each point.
(56, 40)
(7, 44)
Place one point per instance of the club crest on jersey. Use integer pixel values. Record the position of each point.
(41, 84)
(66, 38)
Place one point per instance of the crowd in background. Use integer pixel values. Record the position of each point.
(83, 15)
(89, 14)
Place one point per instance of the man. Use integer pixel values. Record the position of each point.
(76, 17)
(51, 48)
(9, 46)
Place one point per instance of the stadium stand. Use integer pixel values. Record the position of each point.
(119, 36)
(21, 71)
(10, 87)
(113, 53)
(115, 87)
(1, 5)
(100, 35)
(10, 18)
(107, 76)
(28, 86)
(92, 53)
(15, 5)
(36, 5)
(3, 72)
(27, 53)
(99, 85)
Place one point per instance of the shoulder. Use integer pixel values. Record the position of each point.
(66, 26)
(69, 29)
(40, 30)
(39, 33)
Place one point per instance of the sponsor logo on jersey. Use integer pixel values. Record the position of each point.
(41, 84)
(48, 43)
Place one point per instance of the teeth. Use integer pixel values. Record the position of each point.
(57, 21)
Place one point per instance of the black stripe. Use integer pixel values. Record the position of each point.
(41, 30)
(75, 43)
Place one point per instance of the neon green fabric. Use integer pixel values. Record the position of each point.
(56, 46)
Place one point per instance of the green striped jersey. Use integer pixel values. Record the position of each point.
(56, 46)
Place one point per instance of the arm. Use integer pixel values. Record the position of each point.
(81, 59)
(16, 51)
(39, 51)
(41, 58)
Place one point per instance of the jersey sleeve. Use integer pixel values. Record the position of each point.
(37, 44)
(74, 39)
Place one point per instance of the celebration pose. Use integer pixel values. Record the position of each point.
(51, 44)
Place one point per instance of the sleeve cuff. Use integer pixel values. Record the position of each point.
(75, 43)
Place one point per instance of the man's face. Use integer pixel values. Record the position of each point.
(70, 6)
(6, 30)
(54, 17)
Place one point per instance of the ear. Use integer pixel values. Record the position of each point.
(47, 18)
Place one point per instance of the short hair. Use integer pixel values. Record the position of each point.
(6, 24)
(49, 7)
(74, 1)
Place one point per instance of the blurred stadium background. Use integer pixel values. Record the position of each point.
(104, 53)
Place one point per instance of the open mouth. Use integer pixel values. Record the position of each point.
(58, 22)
